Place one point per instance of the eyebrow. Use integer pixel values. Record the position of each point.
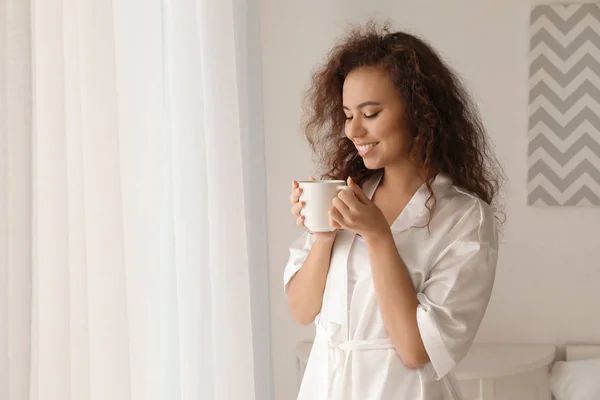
(366, 103)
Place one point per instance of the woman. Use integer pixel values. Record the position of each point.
(399, 290)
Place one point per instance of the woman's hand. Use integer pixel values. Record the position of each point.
(297, 206)
(353, 210)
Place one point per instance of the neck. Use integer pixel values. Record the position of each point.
(403, 178)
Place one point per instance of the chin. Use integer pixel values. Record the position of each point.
(372, 164)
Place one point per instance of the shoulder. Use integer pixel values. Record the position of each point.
(464, 215)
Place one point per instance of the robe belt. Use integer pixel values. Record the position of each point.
(339, 350)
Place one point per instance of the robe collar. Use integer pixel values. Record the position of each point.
(415, 213)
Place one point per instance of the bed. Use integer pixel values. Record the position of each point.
(578, 377)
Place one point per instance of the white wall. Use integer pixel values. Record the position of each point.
(548, 281)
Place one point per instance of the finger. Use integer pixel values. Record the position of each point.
(295, 196)
(349, 198)
(362, 197)
(340, 206)
(295, 184)
(312, 178)
(334, 224)
(297, 207)
(336, 218)
(300, 222)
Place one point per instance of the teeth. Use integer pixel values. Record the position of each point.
(365, 147)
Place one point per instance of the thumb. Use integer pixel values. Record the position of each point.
(357, 191)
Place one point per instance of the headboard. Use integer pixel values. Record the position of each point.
(582, 352)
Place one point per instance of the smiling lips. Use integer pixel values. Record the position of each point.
(363, 149)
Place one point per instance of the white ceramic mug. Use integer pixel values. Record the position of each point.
(318, 197)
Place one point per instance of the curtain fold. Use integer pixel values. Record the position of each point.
(139, 199)
(15, 199)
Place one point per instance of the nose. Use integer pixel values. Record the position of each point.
(355, 129)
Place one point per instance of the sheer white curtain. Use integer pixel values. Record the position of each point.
(15, 199)
(130, 203)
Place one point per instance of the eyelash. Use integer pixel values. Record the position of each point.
(366, 116)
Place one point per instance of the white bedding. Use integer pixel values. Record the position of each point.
(577, 378)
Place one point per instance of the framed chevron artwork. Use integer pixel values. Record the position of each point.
(564, 106)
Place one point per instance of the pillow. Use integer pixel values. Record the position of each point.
(576, 380)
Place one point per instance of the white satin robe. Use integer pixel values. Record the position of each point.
(452, 270)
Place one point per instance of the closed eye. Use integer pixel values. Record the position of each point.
(365, 116)
(372, 115)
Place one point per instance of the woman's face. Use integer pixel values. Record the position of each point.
(375, 117)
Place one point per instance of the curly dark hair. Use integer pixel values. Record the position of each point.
(447, 133)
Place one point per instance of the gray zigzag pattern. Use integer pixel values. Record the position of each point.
(562, 184)
(542, 62)
(586, 88)
(541, 115)
(587, 35)
(561, 24)
(562, 158)
(539, 193)
(563, 132)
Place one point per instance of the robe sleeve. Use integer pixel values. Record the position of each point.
(455, 296)
(298, 252)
